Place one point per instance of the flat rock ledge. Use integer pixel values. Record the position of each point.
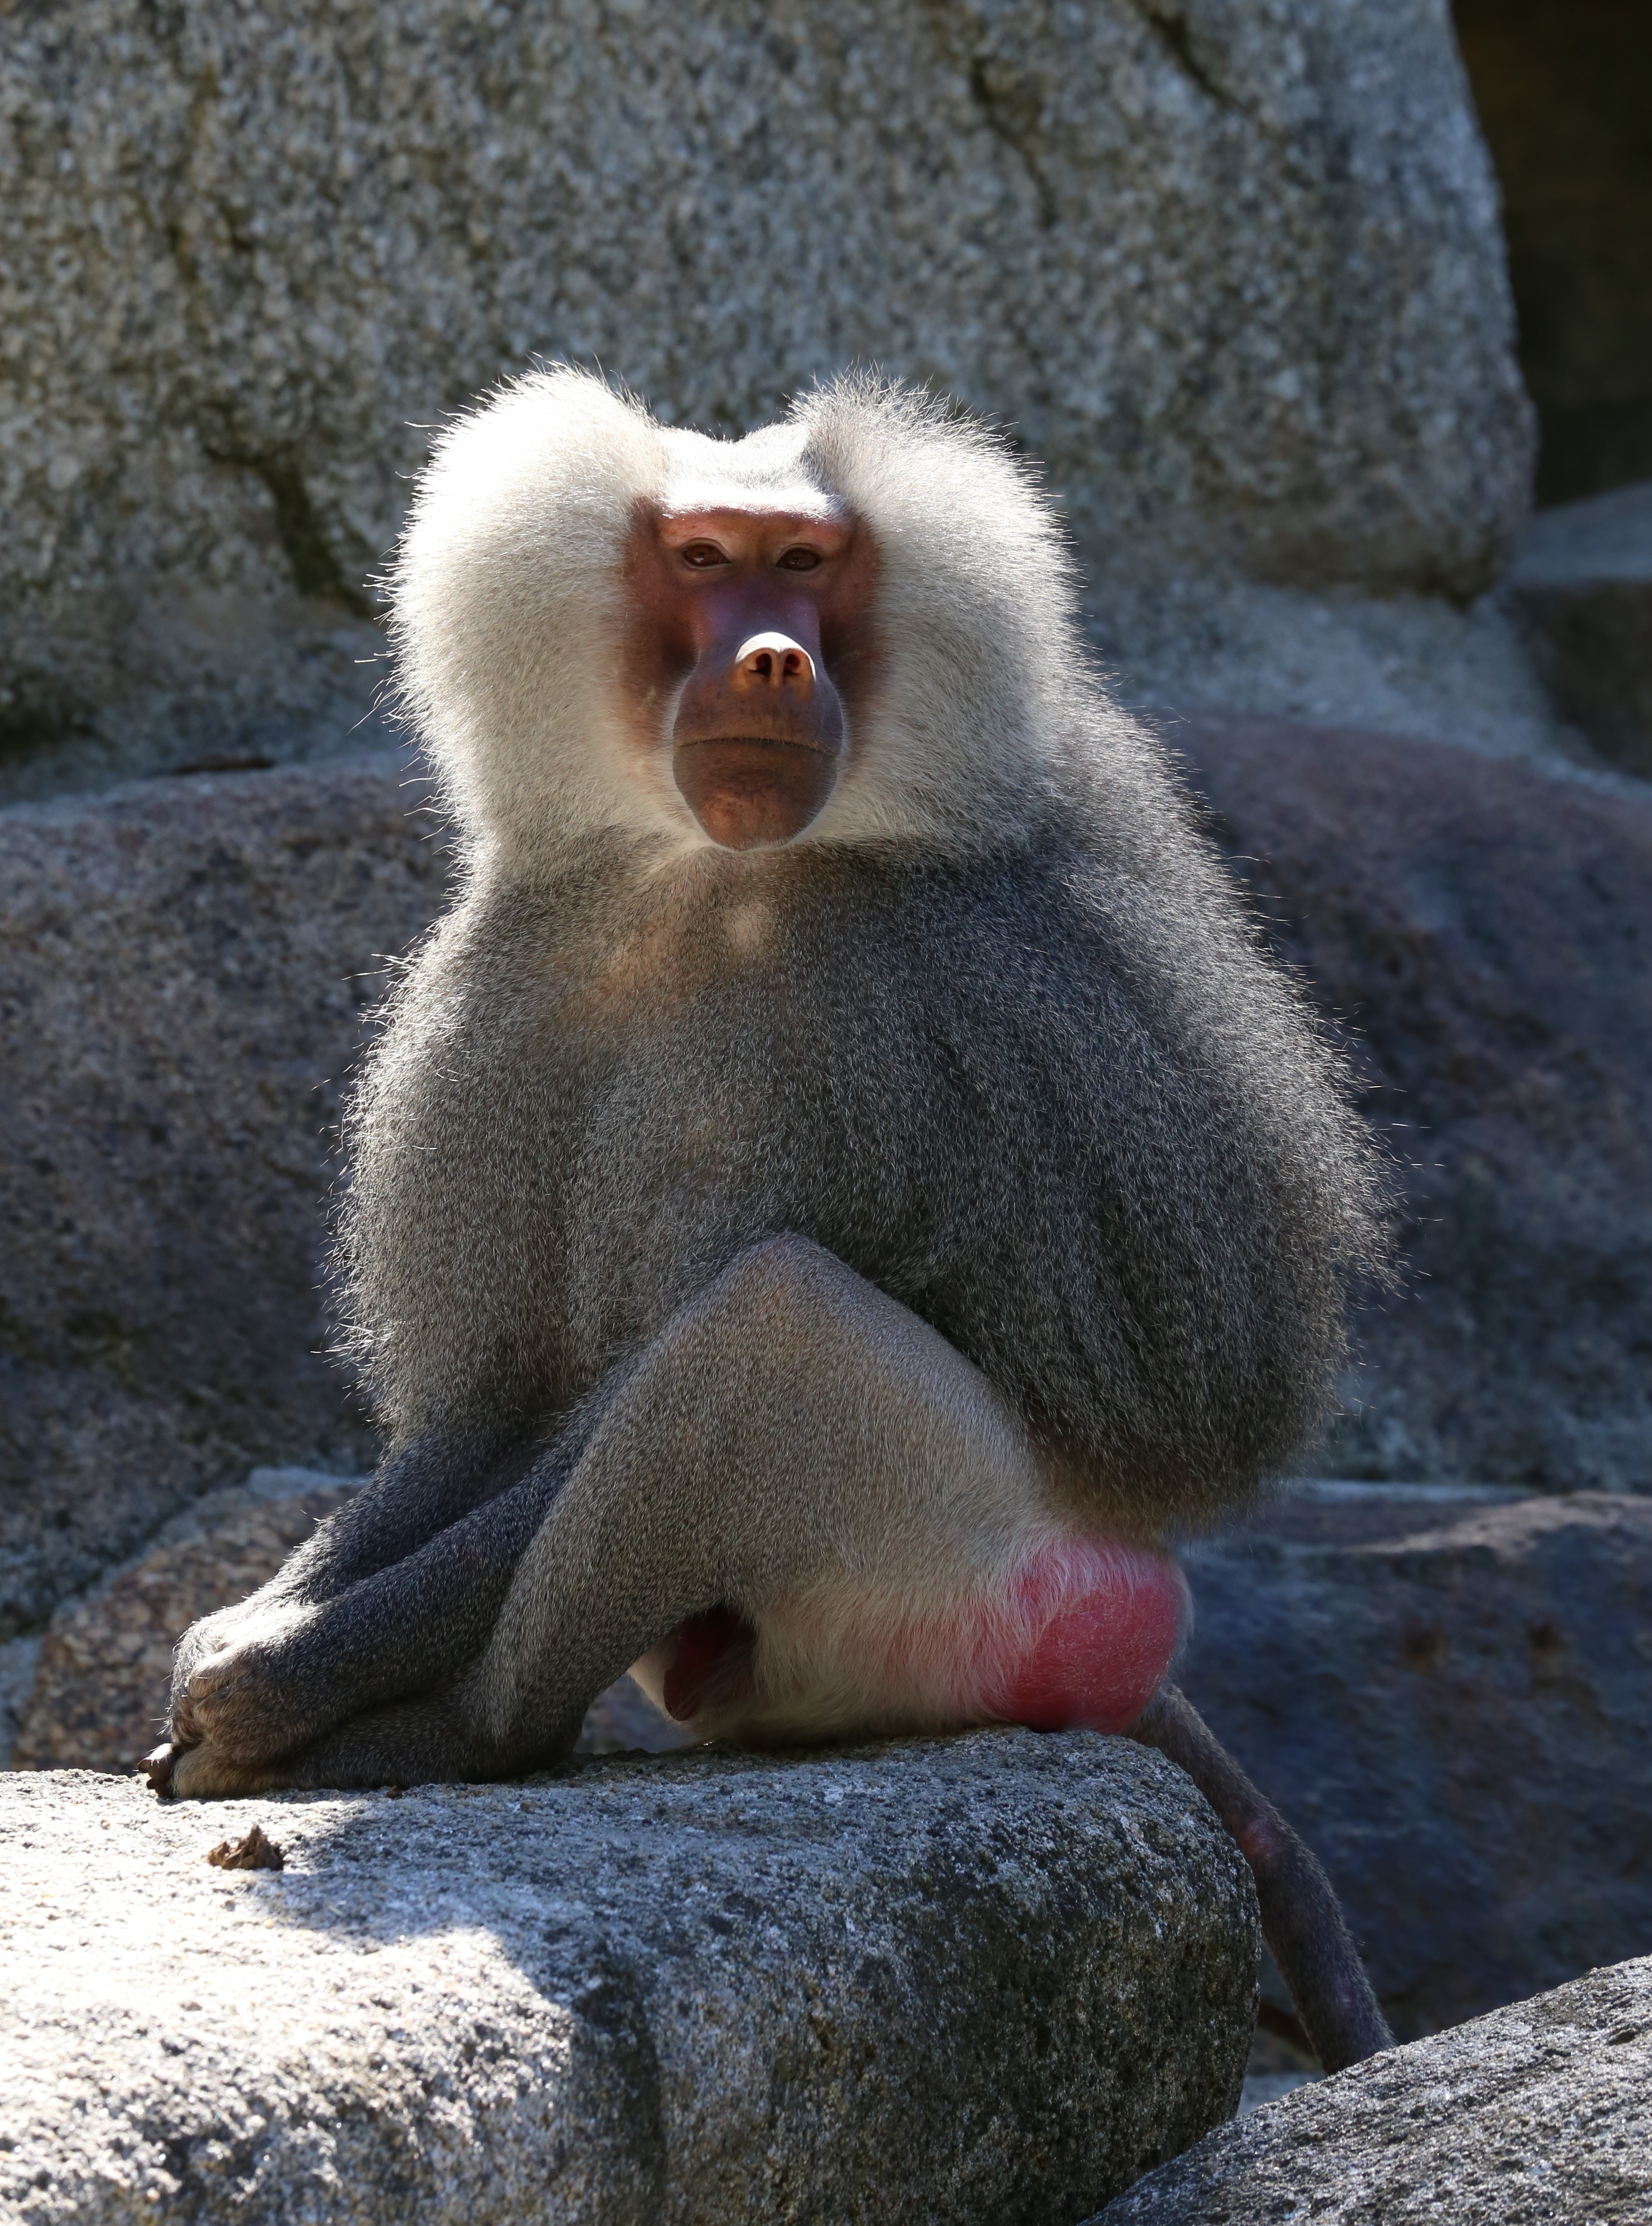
(996, 1977)
(1540, 2115)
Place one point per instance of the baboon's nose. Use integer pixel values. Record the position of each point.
(774, 661)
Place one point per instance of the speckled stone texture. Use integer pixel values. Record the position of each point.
(184, 971)
(993, 1979)
(1538, 2115)
(1232, 267)
(100, 1694)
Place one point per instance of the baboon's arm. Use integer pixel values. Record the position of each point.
(291, 1668)
(421, 1489)
(1302, 1921)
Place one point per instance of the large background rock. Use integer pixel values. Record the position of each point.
(183, 969)
(1486, 930)
(98, 1697)
(1540, 2115)
(1582, 587)
(1453, 1703)
(1233, 268)
(990, 1979)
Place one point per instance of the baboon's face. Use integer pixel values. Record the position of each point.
(750, 646)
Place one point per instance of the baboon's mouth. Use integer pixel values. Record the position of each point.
(760, 743)
(751, 791)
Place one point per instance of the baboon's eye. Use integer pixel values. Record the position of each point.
(703, 554)
(800, 560)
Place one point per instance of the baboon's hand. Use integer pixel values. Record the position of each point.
(243, 1691)
(229, 1715)
(211, 1635)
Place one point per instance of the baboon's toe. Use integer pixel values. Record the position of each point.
(159, 1765)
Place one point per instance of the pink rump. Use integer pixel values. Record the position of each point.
(1092, 1629)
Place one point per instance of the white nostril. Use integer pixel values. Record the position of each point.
(775, 658)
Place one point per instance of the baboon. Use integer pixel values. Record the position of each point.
(844, 1185)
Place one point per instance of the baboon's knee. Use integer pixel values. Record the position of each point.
(789, 1288)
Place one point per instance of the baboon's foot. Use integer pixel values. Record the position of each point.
(201, 1771)
(206, 1773)
(207, 1641)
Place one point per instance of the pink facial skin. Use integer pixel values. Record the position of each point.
(1080, 1639)
(757, 624)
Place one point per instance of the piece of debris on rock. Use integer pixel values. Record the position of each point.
(254, 1853)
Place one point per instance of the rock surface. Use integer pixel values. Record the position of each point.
(1453, 1703)
(1418, 666)
(1485, 929)
(1538, 2115)
(183, 972)
(1583, 588)
(100, 1692)
(624, 1721)
(1233, 269)
(989, 1979)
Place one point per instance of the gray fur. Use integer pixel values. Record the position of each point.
(1076, 1122)
(997, 1032)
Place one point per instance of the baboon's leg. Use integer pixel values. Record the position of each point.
(791, 1421)
(1302, 1921)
